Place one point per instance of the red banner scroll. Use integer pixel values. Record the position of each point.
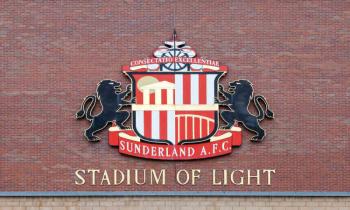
(130, 144)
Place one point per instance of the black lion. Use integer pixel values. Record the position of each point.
(237, 98)
(111, 99)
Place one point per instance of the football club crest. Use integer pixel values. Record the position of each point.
(175, 100)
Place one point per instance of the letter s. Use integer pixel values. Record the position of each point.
(80, 177)
(122, 146)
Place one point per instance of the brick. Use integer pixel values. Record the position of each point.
(296, 53)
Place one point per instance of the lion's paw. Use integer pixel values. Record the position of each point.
(94, 139)
(225, 127)
(255, 139)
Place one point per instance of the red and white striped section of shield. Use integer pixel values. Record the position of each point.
(175, 107)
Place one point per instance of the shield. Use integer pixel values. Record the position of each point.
(175, 107)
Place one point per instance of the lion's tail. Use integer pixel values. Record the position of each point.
(86, 112)
(262, 113)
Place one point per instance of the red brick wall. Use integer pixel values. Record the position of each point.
(295, 52)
